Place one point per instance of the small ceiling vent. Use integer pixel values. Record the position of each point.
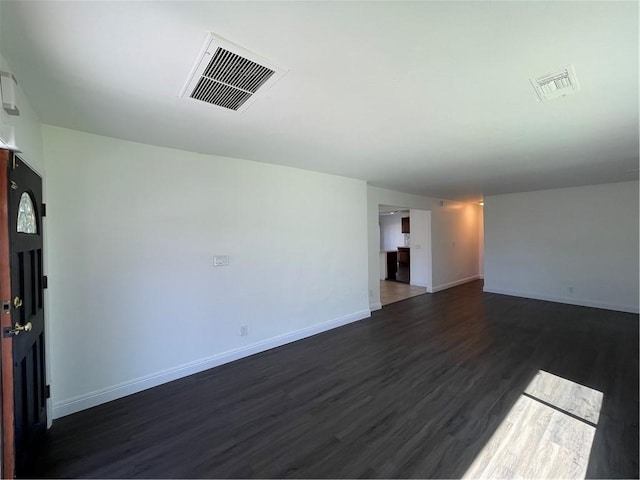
(556, 84)
(229, 76)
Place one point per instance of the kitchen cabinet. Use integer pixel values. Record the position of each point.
(403, 255)
(404, 262)
(405, 225)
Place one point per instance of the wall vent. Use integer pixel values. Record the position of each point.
(556, 84)
(230, 76)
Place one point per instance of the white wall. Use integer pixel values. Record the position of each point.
(135, 300)
(454, 238)
(571, 245)
(391, 232)
(420, 267)
(481, 242)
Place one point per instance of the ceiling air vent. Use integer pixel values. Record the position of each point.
(229, 76)
(556, 84)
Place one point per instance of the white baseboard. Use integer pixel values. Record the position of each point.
(455, 283)
(568, 300)
(103, 395)
(375, 306)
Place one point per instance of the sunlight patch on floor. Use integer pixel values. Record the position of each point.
(547, 433)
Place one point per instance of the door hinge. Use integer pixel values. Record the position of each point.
(45, 281)
(47, 391)
(44, 209)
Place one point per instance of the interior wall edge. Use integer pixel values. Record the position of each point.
(104, 395)
(582, 302)
(375, 306)
(444, 286)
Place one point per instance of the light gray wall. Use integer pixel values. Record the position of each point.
(573, 245)
(454, 238)
(134, 298)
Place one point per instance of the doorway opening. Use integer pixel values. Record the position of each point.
(405, 252)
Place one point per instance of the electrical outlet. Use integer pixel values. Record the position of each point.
(221, 260)
(244, 330)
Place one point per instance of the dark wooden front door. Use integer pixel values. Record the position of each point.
(24, 395)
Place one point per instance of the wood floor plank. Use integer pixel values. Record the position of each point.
(417, 391)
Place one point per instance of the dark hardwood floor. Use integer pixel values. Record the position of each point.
(415, 391)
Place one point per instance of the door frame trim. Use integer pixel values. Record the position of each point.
(6, 344)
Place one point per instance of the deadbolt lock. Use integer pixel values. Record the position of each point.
(17, 302)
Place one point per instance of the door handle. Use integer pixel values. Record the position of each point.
(17, 302)
(17, 328)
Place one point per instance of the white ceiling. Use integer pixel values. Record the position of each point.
(423, 97)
